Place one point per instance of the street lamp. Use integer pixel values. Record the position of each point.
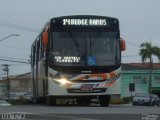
(9, 36)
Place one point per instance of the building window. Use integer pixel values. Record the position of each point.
(157, 79)
(137, 79)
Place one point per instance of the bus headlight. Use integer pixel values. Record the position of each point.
(64, 82)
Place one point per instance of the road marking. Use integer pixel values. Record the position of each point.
(69, 117)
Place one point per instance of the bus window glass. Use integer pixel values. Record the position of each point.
(76, 47)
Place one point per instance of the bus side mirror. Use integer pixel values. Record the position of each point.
(45, 39)
(123, 44)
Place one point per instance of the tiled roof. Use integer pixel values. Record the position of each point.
(139, 66)
(3, 81)
(25, 74)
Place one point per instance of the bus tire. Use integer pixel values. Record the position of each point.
(104, 100)
(38, 101)
(50, 101)
(79, 101)
(83, 101)
(87, 101)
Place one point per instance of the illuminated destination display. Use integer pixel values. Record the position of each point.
(85, 22)
(67, 59)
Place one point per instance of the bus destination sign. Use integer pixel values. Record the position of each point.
(84, 22)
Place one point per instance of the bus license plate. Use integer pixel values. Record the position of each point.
(86, 88)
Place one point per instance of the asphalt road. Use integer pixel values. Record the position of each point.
(93, 112)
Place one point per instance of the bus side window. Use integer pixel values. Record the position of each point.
(40, 49)
(38, 46)
(35, 59)
(37, 51)
(33, 55)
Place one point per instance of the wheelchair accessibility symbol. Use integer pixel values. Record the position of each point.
(91, 61)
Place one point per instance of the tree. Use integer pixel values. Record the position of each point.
(146, 52)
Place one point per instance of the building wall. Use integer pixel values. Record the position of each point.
(19, 85)
(3, 87)
(140, 78)
(22, 83)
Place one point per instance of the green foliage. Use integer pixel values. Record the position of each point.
(147, 51)
(124, 100)
(20, 101)
(117, 101)
(127, 99)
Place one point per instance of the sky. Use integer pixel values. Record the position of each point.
(139, 22)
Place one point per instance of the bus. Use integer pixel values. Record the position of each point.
(77, 58)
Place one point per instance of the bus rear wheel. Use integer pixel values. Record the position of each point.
(104, 100)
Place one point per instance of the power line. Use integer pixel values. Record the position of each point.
(9, 36)
(131, 56)
(12, 58)
(19, 65)
(133, 44)
(14, 61)
(16, 26)
(3, 74)
(20, 27)
(13, 47)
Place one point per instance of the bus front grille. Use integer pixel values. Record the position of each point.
(97, 90)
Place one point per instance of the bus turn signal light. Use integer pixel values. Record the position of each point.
(123, 45)
(45, 39)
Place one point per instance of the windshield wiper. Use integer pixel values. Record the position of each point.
(74, 41)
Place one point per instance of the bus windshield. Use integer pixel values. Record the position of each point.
(85, 48)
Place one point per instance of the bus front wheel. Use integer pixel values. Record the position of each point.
(104, 100)
(50, 100)
(83, 101)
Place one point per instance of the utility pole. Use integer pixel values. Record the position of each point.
(6, 69)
